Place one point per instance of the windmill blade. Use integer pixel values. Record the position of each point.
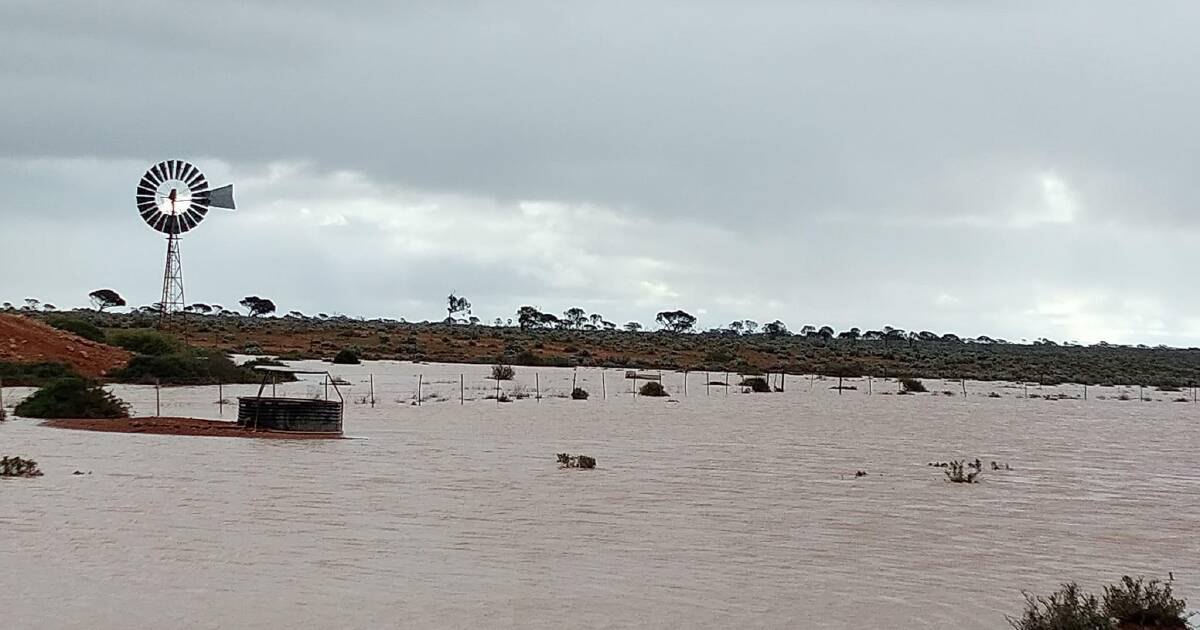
(222, 197)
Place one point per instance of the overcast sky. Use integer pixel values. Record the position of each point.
(1015, 169)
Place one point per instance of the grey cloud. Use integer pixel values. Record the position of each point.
(850, 162)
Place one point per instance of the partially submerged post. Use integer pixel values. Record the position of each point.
(372, 381)
(420, 381)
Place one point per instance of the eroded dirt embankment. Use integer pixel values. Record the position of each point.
(180, 426)
(24, 340)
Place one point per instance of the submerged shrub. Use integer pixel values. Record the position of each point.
(72, 398)
(957, 472)
(1141, 603)
(912, 386)
(1067, 609)
(652, 388)
(17, 467)
(756, 384)
(346, 356)
(579, 393)
(501, 372)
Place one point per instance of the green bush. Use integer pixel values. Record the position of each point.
(1141, 603)
(346, 356)
(148, 342)
(1066, 609)
(501, 372)
(652, 388)
(33, 374)
(80, 327)
(579, 393)
(912, 386)
(72, 398)
(195, 367)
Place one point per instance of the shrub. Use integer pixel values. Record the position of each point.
(652, 388)
(33, 374)
(957, 472)
(757, 384)
(196, 367)
(72, 398)
(1067, 609)
(346, 356)
(501, 372)
(579, 393)
(1141, 603)
(912, 386)
(17, 467)
(148, 342)
(80, 327)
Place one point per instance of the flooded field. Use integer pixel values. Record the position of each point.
(719, 510)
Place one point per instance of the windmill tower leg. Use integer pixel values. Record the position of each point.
(172, 292)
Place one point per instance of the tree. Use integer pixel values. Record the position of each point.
(256, 306)
(736, 327)
(574, 317)
(851, 335)
(455, 305)
(498, 322)
(49, 307)
(529, 317)
(775, 329)
(31, 304)
(597, 319)
(676, 321)
(750, 326)
(807, 330)
(105, 298)
(607, 325)
(632, 327)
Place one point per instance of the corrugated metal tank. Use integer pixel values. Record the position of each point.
(290, 414)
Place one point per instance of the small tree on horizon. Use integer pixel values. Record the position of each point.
(256, 306)
(632, 327)
(456, 304)
(105, 298)
(676, 321)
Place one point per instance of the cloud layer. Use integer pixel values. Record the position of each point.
(1012, 169)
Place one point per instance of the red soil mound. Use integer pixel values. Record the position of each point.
(24, 340)
(181, 426)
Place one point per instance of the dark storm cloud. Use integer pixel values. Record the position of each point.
(1012, 168)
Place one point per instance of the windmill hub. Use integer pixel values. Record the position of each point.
(173, 197)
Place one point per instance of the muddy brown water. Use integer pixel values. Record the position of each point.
(719, 510)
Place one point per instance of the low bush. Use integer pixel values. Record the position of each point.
(195, 367)
(80, 327)
(1147, 604)
(33, 374)
(1131, 604)
(912, 386)
(72, 398)
(346, 356)
(1066, 609)
(652, 388)
(148, 342)
(957, 472)
(757, 384)
(17, 467)
(579, 393)
(501, 372)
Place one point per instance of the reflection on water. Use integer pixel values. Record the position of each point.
(720, 510)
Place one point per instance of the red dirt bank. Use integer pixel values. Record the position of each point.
(24, 340)
(180, 426)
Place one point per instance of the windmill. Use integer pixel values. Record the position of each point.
(173, 197)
